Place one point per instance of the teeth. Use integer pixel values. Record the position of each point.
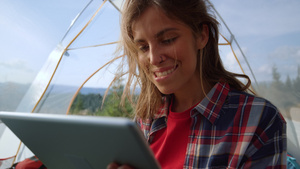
(165, 73)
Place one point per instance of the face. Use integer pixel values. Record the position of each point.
(167, 51)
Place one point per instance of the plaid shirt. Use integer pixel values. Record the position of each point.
(233, 130)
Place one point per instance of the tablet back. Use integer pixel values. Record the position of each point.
(81, 142)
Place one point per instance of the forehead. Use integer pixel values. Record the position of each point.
(152, 21)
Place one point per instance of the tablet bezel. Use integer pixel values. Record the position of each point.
(76, 142)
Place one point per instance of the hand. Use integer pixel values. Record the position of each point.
(117, 166)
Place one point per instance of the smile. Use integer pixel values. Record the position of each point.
(165, 73)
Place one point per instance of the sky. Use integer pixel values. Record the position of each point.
(267, 31)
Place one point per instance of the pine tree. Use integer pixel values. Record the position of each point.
(288, 83)
(296, 85)
(86, 104)
(77, 105)
(112, 105)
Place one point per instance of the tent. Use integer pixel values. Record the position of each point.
(86, 36)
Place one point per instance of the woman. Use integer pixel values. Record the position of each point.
(193, 112)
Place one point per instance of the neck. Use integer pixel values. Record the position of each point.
(187, 98)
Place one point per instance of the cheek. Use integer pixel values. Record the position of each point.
(143, 61)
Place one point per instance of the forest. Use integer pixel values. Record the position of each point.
(282, 93)
(92, 104)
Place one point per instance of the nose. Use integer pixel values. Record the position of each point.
(155, 56)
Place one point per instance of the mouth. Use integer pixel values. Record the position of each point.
(159, 74)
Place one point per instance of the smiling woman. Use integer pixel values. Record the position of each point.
(193, 112)
(167, 50)
(267, 32)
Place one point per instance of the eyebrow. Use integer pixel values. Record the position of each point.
(159, 34)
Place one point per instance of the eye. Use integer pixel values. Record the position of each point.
(169, 41)
(144, 48)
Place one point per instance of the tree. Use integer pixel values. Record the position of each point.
(92, 102)
(77, 105)
(276, 78)
(275, 74)
(296, 85)
(112, 105)
(86, 104)
(288, 83)
(281, 93)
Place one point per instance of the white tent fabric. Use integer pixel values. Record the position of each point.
(38, 91)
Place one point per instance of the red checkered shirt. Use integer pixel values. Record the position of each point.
(229, 129)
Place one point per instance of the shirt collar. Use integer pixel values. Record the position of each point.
(164, 109)
(209, 107)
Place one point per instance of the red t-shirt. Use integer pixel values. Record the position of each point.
(169, 144)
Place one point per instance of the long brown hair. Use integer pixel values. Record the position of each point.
(193, 13)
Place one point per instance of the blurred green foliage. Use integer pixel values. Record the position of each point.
(282, 93)
(92, 104)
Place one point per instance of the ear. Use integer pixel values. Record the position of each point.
(202, 37)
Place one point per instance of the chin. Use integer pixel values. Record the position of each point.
(165, 91)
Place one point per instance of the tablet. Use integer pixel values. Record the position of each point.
(81, 142)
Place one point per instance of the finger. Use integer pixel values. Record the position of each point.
(112, 166)
(126, 167)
